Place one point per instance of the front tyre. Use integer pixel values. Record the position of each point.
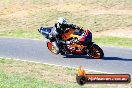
(96, 52)
(52, 48)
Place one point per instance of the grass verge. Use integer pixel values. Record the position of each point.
(114, 41)
(20, 74)
(101, 40)
(21, 33)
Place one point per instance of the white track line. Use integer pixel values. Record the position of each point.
(59, 65)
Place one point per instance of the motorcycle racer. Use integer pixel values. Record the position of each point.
(67, 38)
(59, 28)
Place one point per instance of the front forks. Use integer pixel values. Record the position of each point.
(89, 46)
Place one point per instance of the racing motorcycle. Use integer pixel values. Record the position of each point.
(81, 43)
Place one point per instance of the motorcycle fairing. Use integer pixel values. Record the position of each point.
(45, 31)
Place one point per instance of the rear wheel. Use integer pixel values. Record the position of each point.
(96, 52)
(51, 48)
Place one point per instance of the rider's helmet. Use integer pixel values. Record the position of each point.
(62, 21)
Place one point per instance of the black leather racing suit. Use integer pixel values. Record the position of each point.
(57, 32)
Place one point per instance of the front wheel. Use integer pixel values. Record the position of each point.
(51, 48)
(96, 52)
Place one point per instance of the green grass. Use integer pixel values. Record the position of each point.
(20, 81)
(20, 74)
(21, 33)
(101, 40)
(114, 41)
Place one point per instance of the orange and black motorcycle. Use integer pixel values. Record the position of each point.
(81, 43)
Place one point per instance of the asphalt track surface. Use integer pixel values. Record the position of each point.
(116, 60)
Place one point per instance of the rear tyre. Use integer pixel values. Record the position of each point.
(96, 52)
